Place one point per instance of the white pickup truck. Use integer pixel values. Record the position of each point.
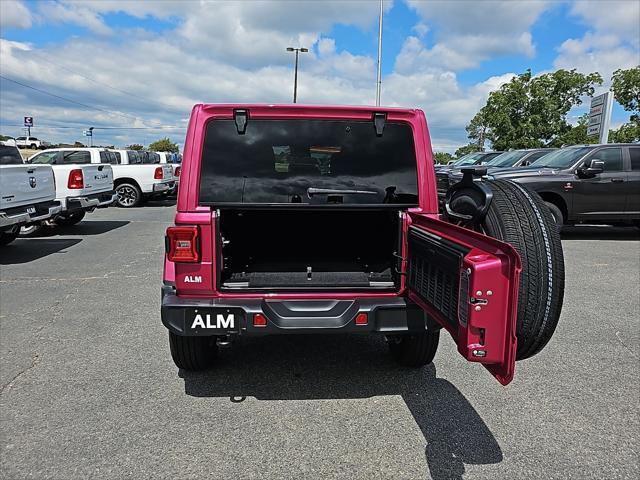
(27, 193)
(31, 142)
(173, 159)
(81, 186)
(139, 176)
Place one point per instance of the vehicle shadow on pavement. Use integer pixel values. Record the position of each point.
(28, 250)
(344, 367)
(86, 227)
(164, 202)
(604, 232)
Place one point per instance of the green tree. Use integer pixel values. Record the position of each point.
(625, 85)
(164, 145)
(575, 135)
(442, 157)
(530, 112)
(627, 133)
(135, 146)
(470, 148)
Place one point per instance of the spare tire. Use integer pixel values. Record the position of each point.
(519, 216)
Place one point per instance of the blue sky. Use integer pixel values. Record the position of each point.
(143, 64)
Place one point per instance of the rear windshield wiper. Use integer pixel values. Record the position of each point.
(311, 191)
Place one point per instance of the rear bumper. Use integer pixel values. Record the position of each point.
(385, 315)
(29, 214)
(89, 202)
(163, 187)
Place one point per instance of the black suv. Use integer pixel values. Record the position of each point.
(586, 183)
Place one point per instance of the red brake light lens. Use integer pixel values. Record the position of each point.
(158, 173)
(362, 319)
(76, 179)
(259, 320)
(183, 244)
(177, 171)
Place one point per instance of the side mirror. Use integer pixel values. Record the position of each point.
(451, 162)
(595, 167)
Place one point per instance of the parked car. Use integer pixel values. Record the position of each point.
(136, 176)
(470, 159)
(27, 193)
(317, 219)
(81, 186)
(511, 159)
(31, 142)
(174, 160)
(586, 183)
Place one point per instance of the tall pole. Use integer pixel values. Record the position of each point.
(379, 81)
(295, 79)
(295, 74)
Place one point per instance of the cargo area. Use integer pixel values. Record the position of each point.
(300, 249)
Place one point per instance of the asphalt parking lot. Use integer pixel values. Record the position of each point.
(88, 388)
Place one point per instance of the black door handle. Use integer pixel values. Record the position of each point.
(617, 180)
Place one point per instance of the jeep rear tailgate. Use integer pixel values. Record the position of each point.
(25, 185)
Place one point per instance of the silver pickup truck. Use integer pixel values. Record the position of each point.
(27, 193)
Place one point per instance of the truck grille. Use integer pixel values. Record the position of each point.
(434, 272)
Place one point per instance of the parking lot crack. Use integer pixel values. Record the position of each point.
(625, 345)
(35, 360)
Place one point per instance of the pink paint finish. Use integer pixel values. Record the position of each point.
(493, 265)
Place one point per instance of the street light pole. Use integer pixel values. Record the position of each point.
(379, 79)
(295, 75)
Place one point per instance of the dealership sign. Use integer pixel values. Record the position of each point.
(600, 116)
(28, 121)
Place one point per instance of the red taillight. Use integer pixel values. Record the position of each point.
(362, 319)
(158, 173)
(75, 179)
(259, 320)
(182, 244)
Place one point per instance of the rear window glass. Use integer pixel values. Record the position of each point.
(75, 157)
(109, 157)
(634, 153)
(133, 156)
(308, 161)
(10, 155)
(150, 157)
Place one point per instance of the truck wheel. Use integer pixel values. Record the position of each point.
(129, 195)
(7, 237)
(30, 230)
(415, 350)
(71, 219)
(556, 213)
(192, 353)
(33, 146)
(519, 216)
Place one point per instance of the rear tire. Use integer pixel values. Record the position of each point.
(556, 213)
(521, 218)
(70, 219)
(7, 237)
(129, 195)
(415, 350)
(192, 353)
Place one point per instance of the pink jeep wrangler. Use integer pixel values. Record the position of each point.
(320, 219)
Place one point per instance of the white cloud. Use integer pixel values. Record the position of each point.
(596, 53)
(619, 17)
(611, 43)
(73, 13)
(470, 32)
(14, 14)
